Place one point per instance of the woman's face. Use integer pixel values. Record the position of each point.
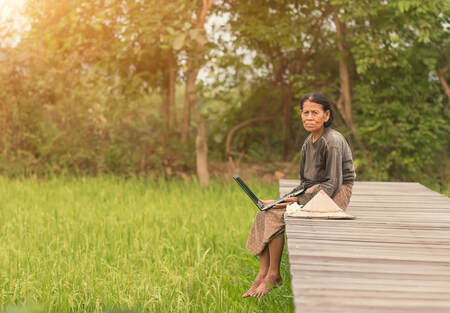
(313, 116)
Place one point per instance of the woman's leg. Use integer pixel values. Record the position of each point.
(264, 241)
(342, 198)
(264, 262)
(273, 276)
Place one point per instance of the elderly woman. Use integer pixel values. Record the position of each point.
(326, 164)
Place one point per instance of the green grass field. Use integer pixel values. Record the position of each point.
(110, 245)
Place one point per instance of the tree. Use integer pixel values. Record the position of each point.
(400, 117)
(289, 39)
(195, 58)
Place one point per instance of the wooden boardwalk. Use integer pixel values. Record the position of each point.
(395, 257)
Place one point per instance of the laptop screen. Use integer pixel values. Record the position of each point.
(248, 191)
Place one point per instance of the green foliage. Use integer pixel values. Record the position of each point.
(404, 124)
(82, 91)
(399, 104)
(109, 244)
(84, 123)
(261, 140)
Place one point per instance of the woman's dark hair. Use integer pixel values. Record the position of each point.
(320, 99)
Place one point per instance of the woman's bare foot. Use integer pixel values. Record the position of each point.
(269, 283)
(258, 280)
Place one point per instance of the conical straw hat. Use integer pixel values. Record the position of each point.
(320, 206)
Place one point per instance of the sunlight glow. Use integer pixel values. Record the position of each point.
(10, 9)
(12, 21)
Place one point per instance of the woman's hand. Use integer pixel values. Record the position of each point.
(281, 205)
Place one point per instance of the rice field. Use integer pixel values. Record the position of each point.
(110, 244)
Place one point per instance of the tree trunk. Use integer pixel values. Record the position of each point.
(344, 103)
(4, 146)
(193, 66)
(168, 95)
(345, 100)
(172, 71)
(168, 92)
(286, 94)
(239, 126)
(201, 149)
(165, 107)
(189, 95)
(443, 81)
(186, 125)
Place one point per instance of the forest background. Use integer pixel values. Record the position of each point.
(170, 88)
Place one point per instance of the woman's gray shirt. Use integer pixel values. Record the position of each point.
(327, 162)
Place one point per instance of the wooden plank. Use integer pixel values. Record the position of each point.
(363, 238)
(335, 308)
(376, 188)
(371, 246)
(433, 272)
(395, 257)
(375, 301)
(386, 255)
(377, 224)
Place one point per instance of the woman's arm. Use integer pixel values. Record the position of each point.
(333, 171)
(280, 205)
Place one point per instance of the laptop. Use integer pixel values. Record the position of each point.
(255, 199)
